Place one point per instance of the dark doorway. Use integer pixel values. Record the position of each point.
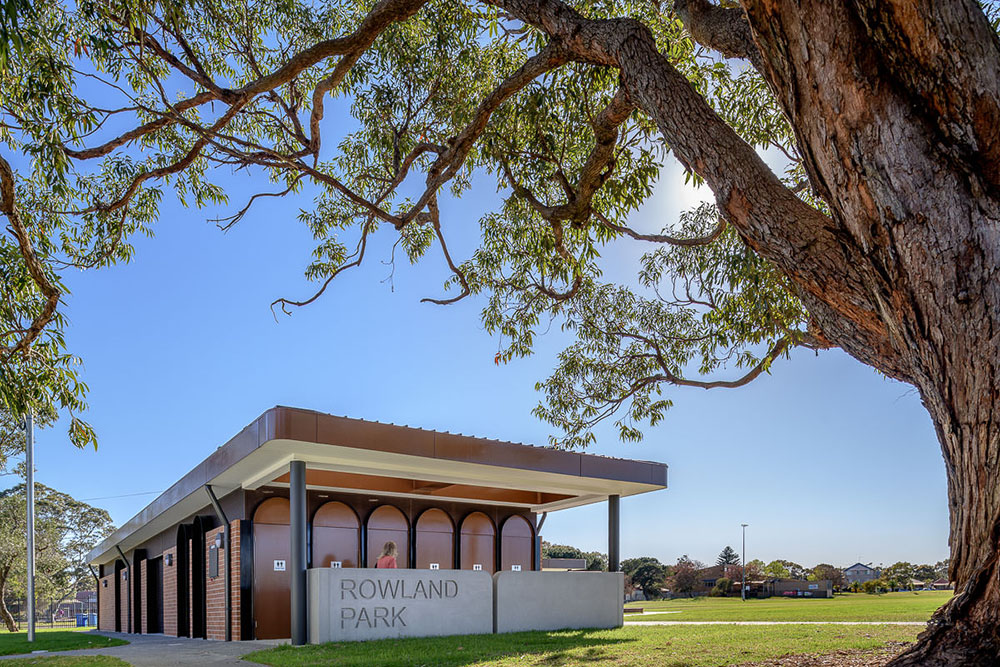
(272, 584)
(154, 595)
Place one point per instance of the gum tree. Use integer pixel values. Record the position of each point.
(879, 237)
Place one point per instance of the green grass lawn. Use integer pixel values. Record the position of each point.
(665, 646)
(12, 643)
(68, 661)
(845, 607)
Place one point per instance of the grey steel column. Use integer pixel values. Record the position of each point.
(297, 503)
(538, 541)
(29, 456)
(614, 533)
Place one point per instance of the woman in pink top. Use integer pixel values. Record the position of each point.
(388, 557)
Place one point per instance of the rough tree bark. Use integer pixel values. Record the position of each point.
(5, 615)
(896, 109)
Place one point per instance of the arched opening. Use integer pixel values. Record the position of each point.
(478, 543)
(517, 543)
(435, 540)
(272, 606)
(386, 523)
(336, 535)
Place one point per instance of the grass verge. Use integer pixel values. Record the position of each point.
(846, 607)
(68, 661)
(672, 646)
(53, 640)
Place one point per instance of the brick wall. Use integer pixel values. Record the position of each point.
(123, 585)
(170, 593)
(234, 537)
(142, 596)
(106, 603)
(215, 589)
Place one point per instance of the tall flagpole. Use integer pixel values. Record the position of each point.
(29, 436)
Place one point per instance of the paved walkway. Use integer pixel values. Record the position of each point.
(161, 651)
(914, 623)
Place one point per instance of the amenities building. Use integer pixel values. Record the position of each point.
(223, 553)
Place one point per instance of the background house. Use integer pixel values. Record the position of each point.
(860, 573)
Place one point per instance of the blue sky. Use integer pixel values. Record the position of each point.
(825, 459)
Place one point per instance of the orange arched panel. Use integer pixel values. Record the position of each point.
(272, 584)
(517, 543)
(435, 540)
(336, 535)
(478, 543)
(387, 523)
(273, 511)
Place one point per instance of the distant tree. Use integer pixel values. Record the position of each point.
(65, 531)
(942, 568)
(723, 586)
(925, 573)
(685, 577)
(596, 561)
(755, 569)
(827, 571)
(12, 438)
(898, 575)
(777, 569)
(647, 573)
(875, 586)
(728, 556)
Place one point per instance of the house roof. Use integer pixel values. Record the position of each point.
(358, 456)
(867, 567)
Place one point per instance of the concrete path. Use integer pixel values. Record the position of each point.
(914, 623)
(161, 651)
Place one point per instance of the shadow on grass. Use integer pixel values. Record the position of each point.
(543, 649)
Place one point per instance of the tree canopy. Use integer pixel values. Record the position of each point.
(728, 556)
(66, 530)
(875, 236)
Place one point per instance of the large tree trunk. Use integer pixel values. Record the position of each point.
(896, 110)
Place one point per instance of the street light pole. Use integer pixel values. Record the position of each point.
(29, 455)
(743, 587)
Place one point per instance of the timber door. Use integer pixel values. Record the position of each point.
(517, 544)
(386, 523)
(336, 535)
(272, 587)
(478, 543)
(435, 540)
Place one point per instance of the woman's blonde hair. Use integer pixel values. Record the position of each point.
(389, 549)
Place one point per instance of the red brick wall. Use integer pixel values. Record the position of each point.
(234, 537)
(215, 589)
(106, 603)
(142, 595)
(170, 593)
(123, 585)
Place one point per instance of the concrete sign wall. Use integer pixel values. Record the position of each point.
(557, 600)
(356, 604)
